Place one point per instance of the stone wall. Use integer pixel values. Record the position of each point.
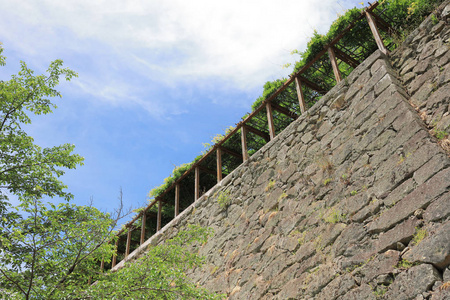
(351, 201)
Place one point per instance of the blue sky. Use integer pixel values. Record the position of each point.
(156, 78)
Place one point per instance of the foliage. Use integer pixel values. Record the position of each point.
(335, 216)
(169, 181)
(49, 251)
(440, 134)
(224, 199)
(408, 14)
(270, 185)
(25, 168)
(282, 196)
(327, 181)
(405, 264)
(160, 274)
(216, 139)
(420, 234)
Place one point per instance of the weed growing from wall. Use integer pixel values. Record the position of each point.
(405, 264)
(327, 181)
(420, 234)
(270, 185)
(335, 216)
(224, 199)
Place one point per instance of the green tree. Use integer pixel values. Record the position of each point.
(50, 250)
(25, 168)
(53, 251)
(160, 273)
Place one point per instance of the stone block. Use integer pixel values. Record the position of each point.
(421, 96)
(381, 264)
(356, 88)
(384, 82)
(422, 66)
(439, 209)
(421, 197)
(429, 75)
(402, 166)
(408, 67)
(413, 282)
(435, 164)
(430, 47)
(365, 65)
(441, 294)
(400, 192)
(402, 233)
(364, 291)
(337, 287)
(434, 249)
(319, 279)
(307, 137)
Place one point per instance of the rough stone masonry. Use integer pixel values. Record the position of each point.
(352, 200)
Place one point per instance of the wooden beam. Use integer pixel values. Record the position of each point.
(312, 85)
(251, 129)
(244, 143)
(144, 221)
(376, 33)
(285, 111)
(345, 57)
(301, 97)
(177, 199)
(334, 64)
(208, 171)
(231, 152)
(158, 220)
(197, 183)
(219, 164)
(114, 259)
(385, 26)
(270, 120)
(127, 249)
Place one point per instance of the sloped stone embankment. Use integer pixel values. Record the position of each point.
(352, 200)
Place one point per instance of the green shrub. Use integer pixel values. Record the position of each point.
(420, 234)
(224, 199)
(270, 185)
(335, 216)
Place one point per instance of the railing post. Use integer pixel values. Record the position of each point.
(197, 183)
(102, 265)
(270, 120)
(114, 259)
(177, 199)
(158, 220)
(127, 249)
(334, 64)
(301, 97)
(376, 33)
(244, 142)
(144, 221)
(219, 164)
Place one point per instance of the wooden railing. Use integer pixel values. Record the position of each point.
(218, 149)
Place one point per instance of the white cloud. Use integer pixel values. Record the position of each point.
(242, 43)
